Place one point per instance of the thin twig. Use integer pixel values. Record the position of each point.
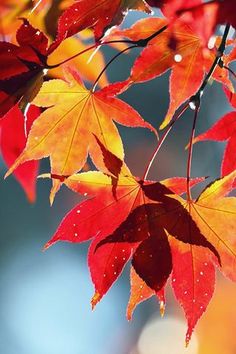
(109, 63)
(190, 153)
(161, 141)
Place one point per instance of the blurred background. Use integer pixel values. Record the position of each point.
(45, 296)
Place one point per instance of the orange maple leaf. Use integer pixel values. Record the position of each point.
(65, 131)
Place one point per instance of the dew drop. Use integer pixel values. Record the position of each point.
(178, 58)
(85, 194)
(185, 292)
(192, 105)
(115, 273)
(211, 42)
(76, 234)
(201, 273)
(78, 211)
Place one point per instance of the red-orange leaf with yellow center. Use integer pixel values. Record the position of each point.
(215, 215)
(177, 48)
(65, 131)
(209, 221)
(100, 216)
(193, 266)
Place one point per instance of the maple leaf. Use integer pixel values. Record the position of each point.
(193, 276)
(21, 67)
(100, 216)
(81, 114)
(215, 216)
(100, 16)
(224, 130)
(14, 129)
(195, 289)
(182, 57)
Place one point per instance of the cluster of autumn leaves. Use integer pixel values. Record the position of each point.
(46, 111)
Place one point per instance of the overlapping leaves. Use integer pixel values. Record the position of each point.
(178, 49)
(65, 131)
(160, 231)
(148, 222)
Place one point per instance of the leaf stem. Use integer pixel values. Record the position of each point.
(195, 99)
(135, 44)
(195, 102)
(161, 141)
(190, 153)
(109, 63)
(145, 41)
(230, 70)
(138, 43)
(71, 58)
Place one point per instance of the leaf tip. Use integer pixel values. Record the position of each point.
(162, 308)
(95, 299)
(7, 174)
(129, 311)
(188, 337)
(31, 197)
(46, 246)
(164, 124)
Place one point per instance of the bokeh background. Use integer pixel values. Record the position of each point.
(45, 296)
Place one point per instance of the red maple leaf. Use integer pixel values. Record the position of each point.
(14, 128)
(224, 130)
(99, 15)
